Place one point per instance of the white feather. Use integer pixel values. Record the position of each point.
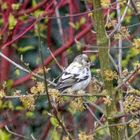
(76, 76)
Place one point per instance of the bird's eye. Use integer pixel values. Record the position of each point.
(87, 60)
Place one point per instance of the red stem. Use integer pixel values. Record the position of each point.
(24, 5)
(90, 121)
(62, 3)
(28, 11)
(11, 120)
(71, 31)
(5, 66)
(49, 42)
(46, 131)
(19, 36)
(50, 6)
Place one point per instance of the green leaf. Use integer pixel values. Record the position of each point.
(10, 105)
(82, 21)
(1, 104)
(38, 13)
(19, 108)
(12, 22)
(34, 3)
(77, 25)
(55, 135)
(4, 6)
(72, 25)
(17, 72)
(131, 54)
(9, 84)
(1, 21)
(15, 6)
(4, 135)
(30, 114)
(45, 113)
(54, 122)
(25, 49)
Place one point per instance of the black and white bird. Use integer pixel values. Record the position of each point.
(77, 75)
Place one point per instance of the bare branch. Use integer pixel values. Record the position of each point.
(92, 113)
(122, 18)
(24, 69)
(134, 134)
(61, 68)
(128, 78)
(16, 134)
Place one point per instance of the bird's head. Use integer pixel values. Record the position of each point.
(84, 60)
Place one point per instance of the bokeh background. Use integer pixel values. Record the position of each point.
(60, 29)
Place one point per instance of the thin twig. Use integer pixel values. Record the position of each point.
(46, 88)
(60, 28)
(128, 78)
(97, 107)
(61, 124)
(86, 5)
(19, 36)
(59, 21)
(112, 125)
(88, 108)
(112, 60)
(24, 69)
(16, 134)
(19, 96)
(78, 14)
(32, 136)
(135, 9)
(43, 66)
(96, 47)
(68, 95)
(119, 41)
(120, 66)
(61, 68)
(122, 18)
(84, 95)
(134, 134)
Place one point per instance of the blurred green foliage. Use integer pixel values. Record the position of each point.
(27, 55)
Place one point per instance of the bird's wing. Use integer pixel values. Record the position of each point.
(74, 73)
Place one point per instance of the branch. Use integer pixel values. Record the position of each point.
(61, 124)
(43, 66)
(24, 69)
(16, 134)
(84, 95)
(56, 53)
(61, 68)
(135, 9)
(46, 131)
(68, 95)
(120, 65)
(134, 134)
(128, 77)
(94, 116)
(79, 14)
(19, 36)
(112, 125)
(28, 11)
(46, 89)
(103, 41)
(122, 18)
(97, 107)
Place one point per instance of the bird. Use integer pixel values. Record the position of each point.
(77, 75)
